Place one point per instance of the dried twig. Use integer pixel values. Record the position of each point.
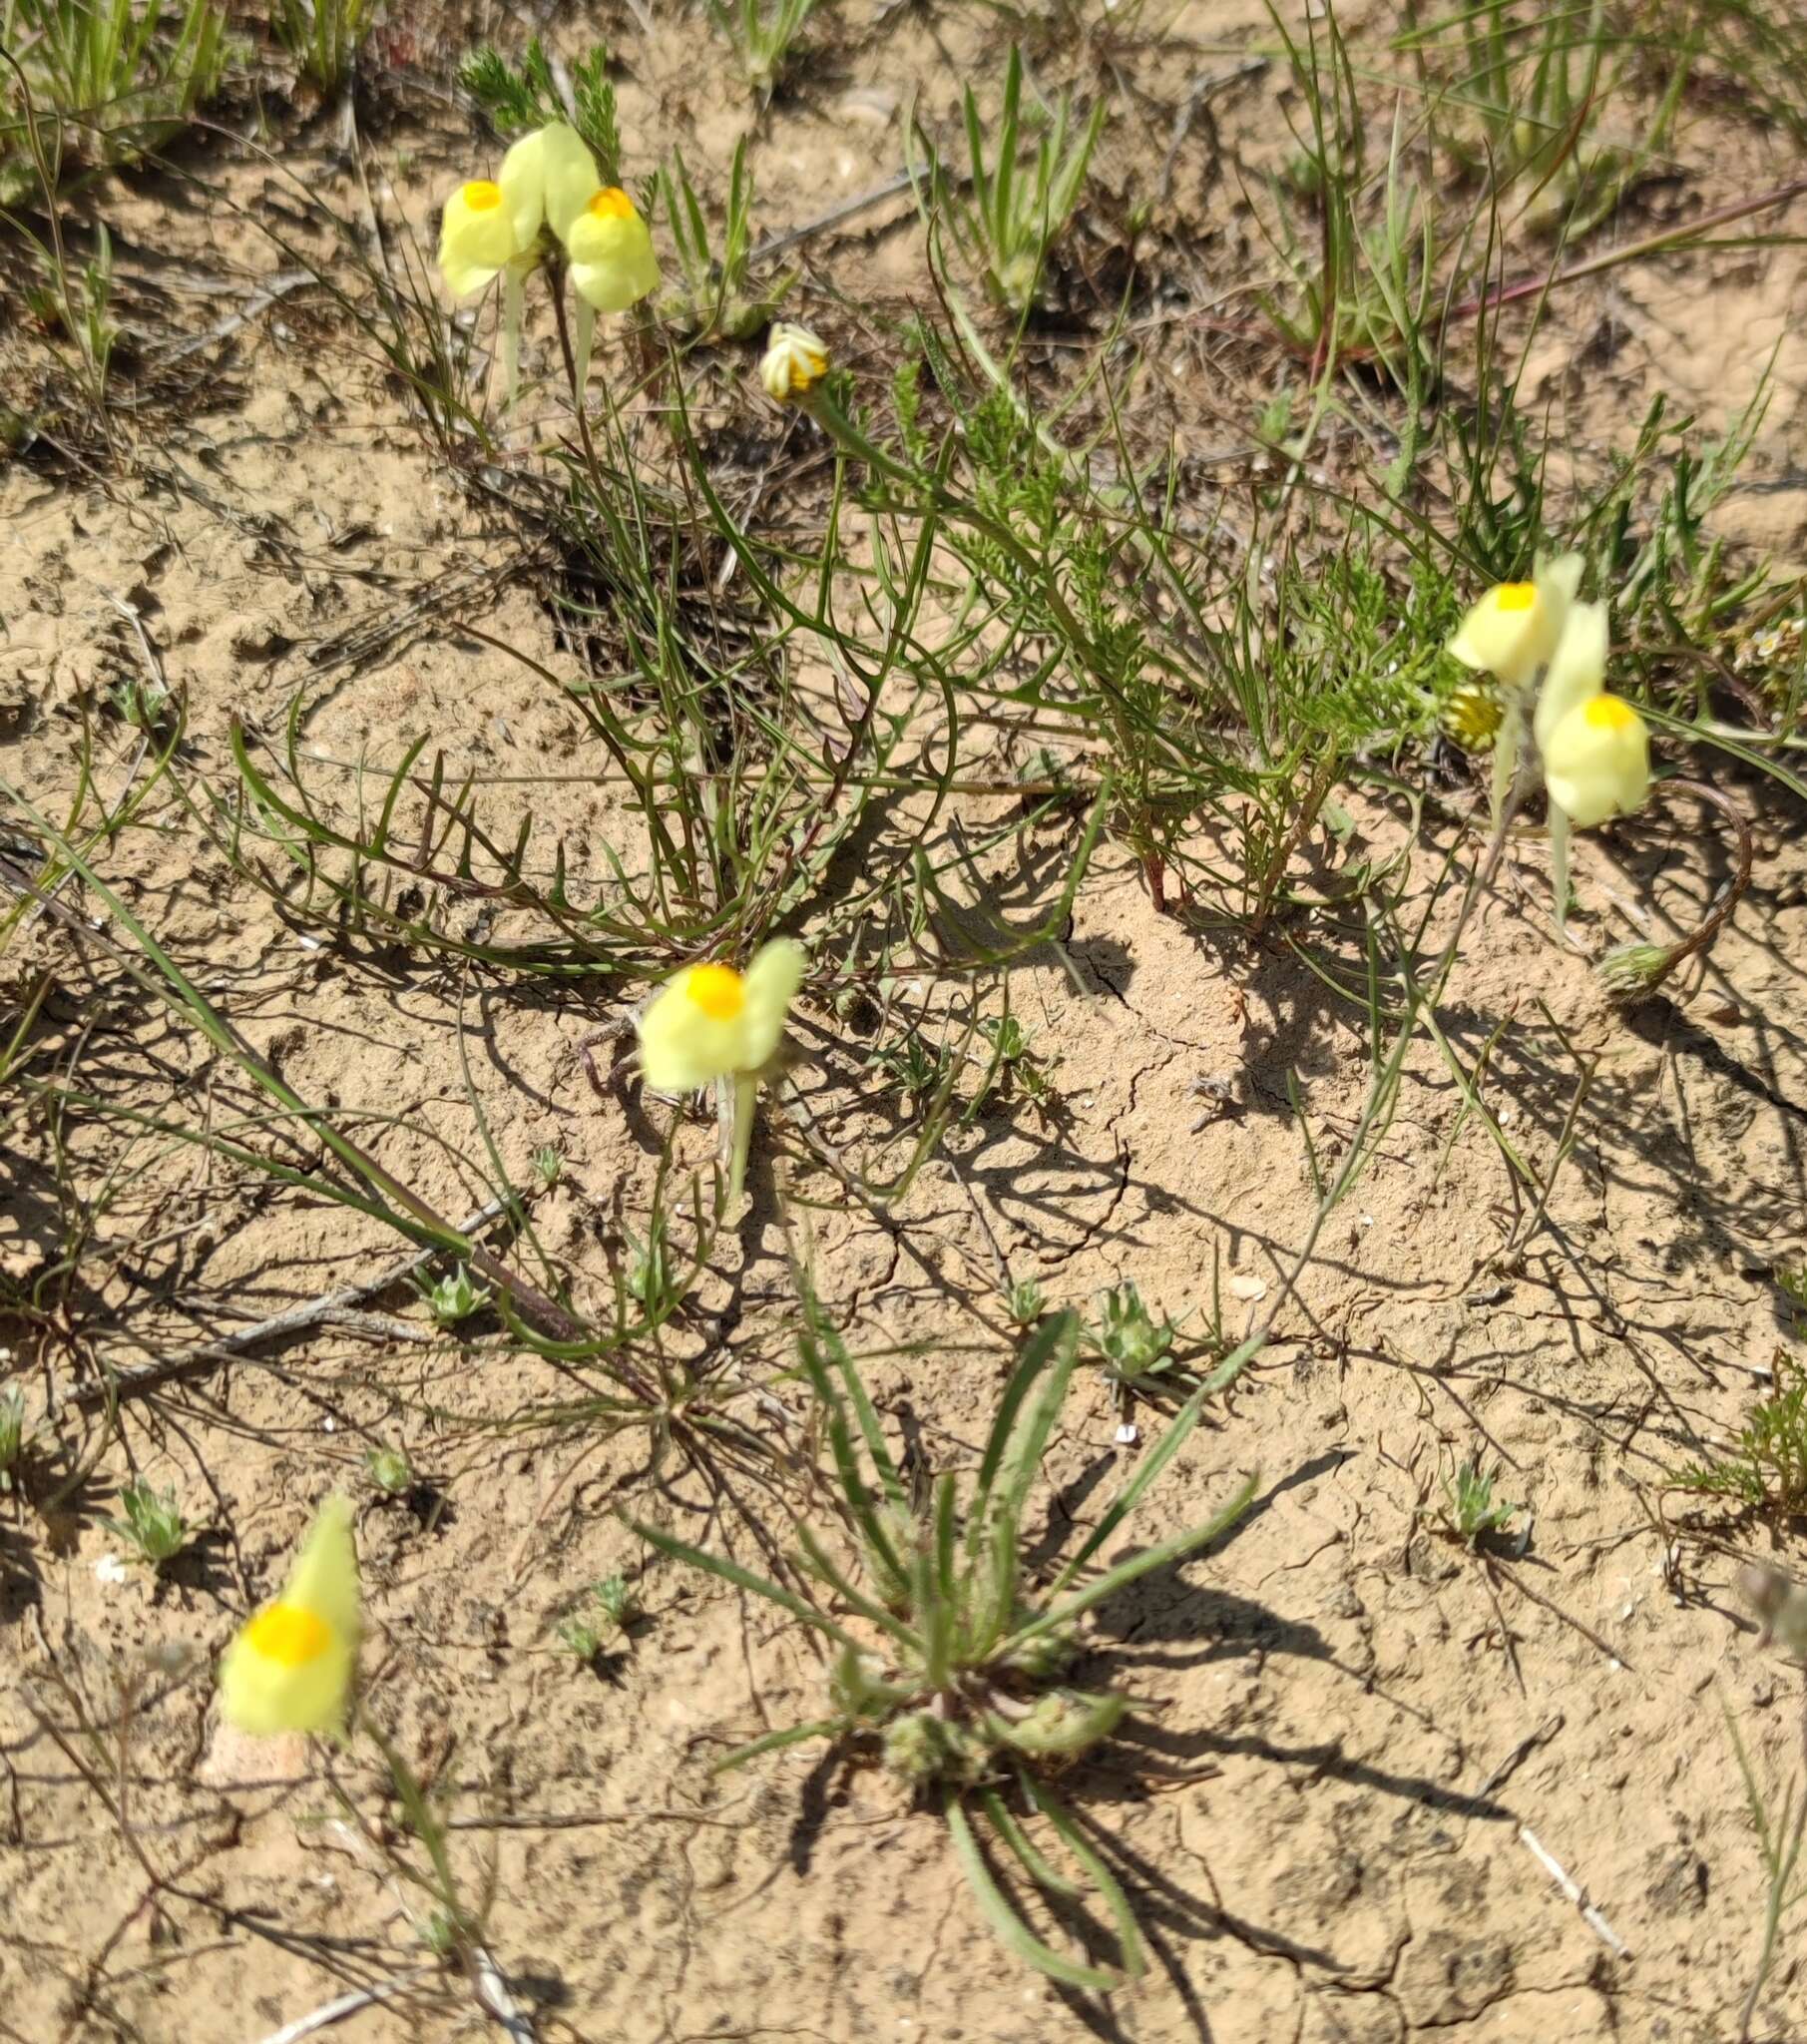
(1639, 983)
(265, 296)
(492, 1992)
(330, 1306)
(330, 2012)
(1515, 1760)
(1576, 1893)
(1495, 1565)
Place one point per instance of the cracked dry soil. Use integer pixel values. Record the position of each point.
(1345, 1722)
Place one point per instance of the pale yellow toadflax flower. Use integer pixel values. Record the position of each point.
(1593, 747)
(291, 1666)
(1596, 763)
(476, 236)
(710, 1023)
(793, 362)
(1516, 626)
(493, 228)
(613, 266)
(1510, 632)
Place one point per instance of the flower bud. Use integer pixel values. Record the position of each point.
(794, 360)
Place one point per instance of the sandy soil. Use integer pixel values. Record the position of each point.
(1349, 1728)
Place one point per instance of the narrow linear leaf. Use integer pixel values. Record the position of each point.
(1133, 1570)
(1012, 1932)
(775, 1741)
(743, 1579)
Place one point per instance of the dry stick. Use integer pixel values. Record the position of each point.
(1578, 1894)
(1497, 1566)
(1515, 1760)
(178, 993)
(493, 1995)
(261, 298)
(776, 245)
(1651, 244)
(330, 2012)
(130, 1384)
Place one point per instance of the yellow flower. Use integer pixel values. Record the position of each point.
(1596, 763)
(710, 1022)
(1576, 671)
(547, 178)
(476, 236)
(289, 1666)
(492, 227)
(554, 177)
(612, 260)
(1514, 627)
(793, 361)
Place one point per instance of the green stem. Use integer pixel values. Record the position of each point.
(1559, 863)
(421, 1821)
(513, 296)
(746, 1098)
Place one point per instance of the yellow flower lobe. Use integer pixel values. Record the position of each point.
(287, 1635)
(1517, 596)
(717, 990)
(612, 202)
(482, 195)
(1608, 713)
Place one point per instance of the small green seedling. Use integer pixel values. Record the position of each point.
(1014, 1064)
(1025, 1302)
(654, 1280)
(1017, 210)
(1470, 1507)
(957, 1680)
(761, 34)
(713, 298)
(152, 1526)
(917, 1067)
(1006, 1036)
(146, 705)
(616, 1608)
(454, 1298)
(1127, 1337)
(1766, 1469)
(438, 1931)
(389, 1469)
(123, 78)
(323, 37)
(546, 1165)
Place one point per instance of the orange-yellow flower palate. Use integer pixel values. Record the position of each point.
(291, 1666)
